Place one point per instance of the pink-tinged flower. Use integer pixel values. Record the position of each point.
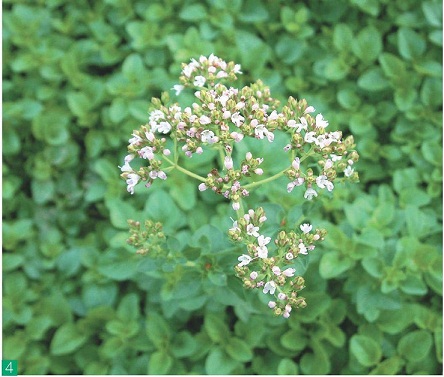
(237, 69)
(273, 116)
(147, 153)
(328, 164)
(131, 182)
(269, 287)
(282, 296)
(276, 270)
(202, 187)
(290, 187)
(252, 230)
(226, 114)
(320, 121)
(204, 120)
(199, 150)
(164, 127)
(244, 260)
(309, 109)
(310, 193)
(166, 152)
(126, 166)
(161, 174)
(289, 256)
(259, 171)
(289, 272)
(178, 89)
(235, 206)
(135, 140)
(199, 81)
(221, 74)
(302, 249)
(285, 314)
(228, 162)
(296, 163)
(316, 237)
(253, 275)
(237, 136)
(248, 156)
(306, 228)
(287, 147)
(153, 174)
(271, 304)
(188, 70)
(348, 171)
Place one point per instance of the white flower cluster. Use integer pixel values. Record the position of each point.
(272, 274)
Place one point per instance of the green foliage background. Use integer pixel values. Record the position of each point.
(77, 79)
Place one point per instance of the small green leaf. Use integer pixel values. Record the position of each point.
(160, 363)
(342, 37)
(287, 367)
(410, 44)
(158, 330)
(128, 308)
(193, 12)
(183, 345)
(218, 362)
(392, 66)
(238, 350)
(365, 349)
(415, 345)
(368, 44)
(373, 80)
(334, 264)
(216, 329)
(390, 366)
(67, 339)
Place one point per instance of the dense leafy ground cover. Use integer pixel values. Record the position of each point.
(77, 79)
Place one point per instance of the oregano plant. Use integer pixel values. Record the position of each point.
(221, 118)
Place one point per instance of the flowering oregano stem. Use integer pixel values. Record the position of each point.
(222, 117)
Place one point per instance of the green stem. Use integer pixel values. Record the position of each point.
(183, 170)
(266, 180)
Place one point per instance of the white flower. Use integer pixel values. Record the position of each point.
(244, 259)
(286, 314)
(302, 249)
(262, 251)
(204, 120)
(276, 270)
(164, 127)
(271, 304)
(310, 137)
(237, 136)
(306, 228)
(301, 126)
(199, 81)
(282, 296)
(289, 272)
(309, 109)
(320, 121)
(207, 136)
(290, 187)
(252, 230)
(237, 69)
(202, 187)
(270, 286)
(131, 181)
(323, 182)
(235, 206)
(348, 171)
(310, 193)
(178, 89)
(253, 275)
(161, 174)
(289, 256)
(296, 163)
(126, 166)
(156, 115)
(188, 70)
(237, 119)
(335, 157)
